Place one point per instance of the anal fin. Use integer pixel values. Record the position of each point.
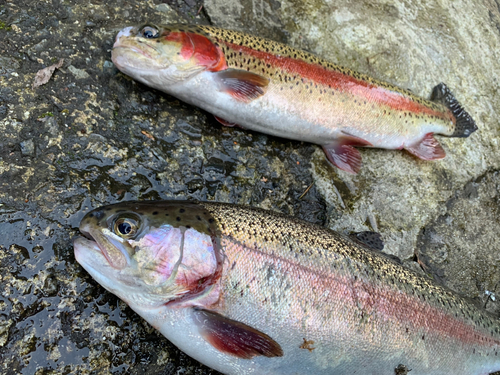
(233, 337)
(242, 85)
(427, 149)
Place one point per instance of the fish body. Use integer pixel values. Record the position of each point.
(248, 291)
(270, 87)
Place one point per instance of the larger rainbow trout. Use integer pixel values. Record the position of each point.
(275, 89)
(247, 291)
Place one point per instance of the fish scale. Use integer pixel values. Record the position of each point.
(229, 40)
(290, 239)
(273, 88)
(236, 47)
(286, 296)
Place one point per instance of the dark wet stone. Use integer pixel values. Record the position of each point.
(85, 140)
(28, 147)
(8, 65)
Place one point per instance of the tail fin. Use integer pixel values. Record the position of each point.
(465, 125)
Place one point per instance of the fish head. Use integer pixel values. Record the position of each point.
(161, 56)
(151, 253)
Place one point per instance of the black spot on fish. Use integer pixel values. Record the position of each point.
(178, 218)
(182, 210)
(155, 213)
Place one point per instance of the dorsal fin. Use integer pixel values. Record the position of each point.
(372, 240)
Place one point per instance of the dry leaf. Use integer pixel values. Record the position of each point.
(148, 135)
(43, 75)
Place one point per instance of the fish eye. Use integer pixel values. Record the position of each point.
(150, 32)
(125, 227)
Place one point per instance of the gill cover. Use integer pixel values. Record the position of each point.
(179, 52)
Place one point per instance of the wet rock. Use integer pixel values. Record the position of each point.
(8, 65)
(5, 324)
(101, 137)
(470, 220)
(78, 73)
(28, 147)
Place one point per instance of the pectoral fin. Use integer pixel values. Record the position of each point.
(343, 155)
(234, 338)
(242, 85)
(427, 149)
(226, 123)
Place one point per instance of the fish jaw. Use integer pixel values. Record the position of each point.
(89, 255)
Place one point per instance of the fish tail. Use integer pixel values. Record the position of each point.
(464, 125)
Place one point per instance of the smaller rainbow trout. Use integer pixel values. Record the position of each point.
(247, 291)
(275, 89)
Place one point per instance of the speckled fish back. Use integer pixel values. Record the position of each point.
(225, 39)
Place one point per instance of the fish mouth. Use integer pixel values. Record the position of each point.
(104, 244)
(140, 51)
(83, 247)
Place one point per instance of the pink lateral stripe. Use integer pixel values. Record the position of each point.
(341, 82)
(434, 320)
(383, 301)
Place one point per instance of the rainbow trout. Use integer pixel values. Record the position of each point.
(248, 291)
(272, 88)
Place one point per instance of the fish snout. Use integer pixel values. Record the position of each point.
(126, 32)
(83, 248)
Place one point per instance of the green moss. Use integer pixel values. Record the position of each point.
(47, 114)
(4, 26)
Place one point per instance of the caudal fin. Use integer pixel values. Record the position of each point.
(465, 125)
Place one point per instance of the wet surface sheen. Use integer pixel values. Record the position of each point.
(92, 136)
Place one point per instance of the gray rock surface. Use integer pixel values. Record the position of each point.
(92, 136)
